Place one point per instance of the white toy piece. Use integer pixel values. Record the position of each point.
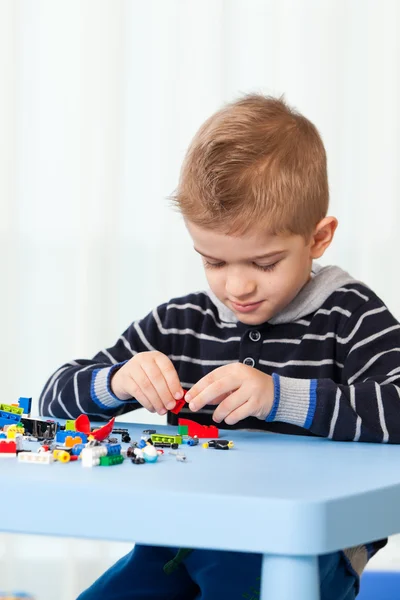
(40, 458)
(91, 456)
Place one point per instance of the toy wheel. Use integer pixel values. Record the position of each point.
(63, 457)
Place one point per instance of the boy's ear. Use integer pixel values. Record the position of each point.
(322, 236)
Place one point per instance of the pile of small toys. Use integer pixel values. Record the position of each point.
(78, 440)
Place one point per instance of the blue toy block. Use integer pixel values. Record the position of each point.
(113, 449)
(25, 404)
(62, 435)
(7, 418)
(77, 449)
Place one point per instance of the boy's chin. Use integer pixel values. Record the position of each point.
(253, 319)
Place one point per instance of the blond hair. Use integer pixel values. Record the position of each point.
(255, 163)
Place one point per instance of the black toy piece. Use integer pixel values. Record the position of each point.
(39, 428)
(125, 437)
(219, 444)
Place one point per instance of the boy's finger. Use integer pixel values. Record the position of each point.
(147, 389)
(238, 414)
(230, 405)
(162, 394)
(206, 381)
(171, 378)
(134, 390)
(214, 391)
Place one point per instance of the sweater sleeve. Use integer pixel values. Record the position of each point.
(365, 405)
(83, 386)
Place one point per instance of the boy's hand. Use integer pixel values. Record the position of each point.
(150, 378)
(241, 391)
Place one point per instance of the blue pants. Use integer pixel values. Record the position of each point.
(205, 575)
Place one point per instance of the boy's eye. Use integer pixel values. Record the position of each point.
(266, 267)
(210, 265)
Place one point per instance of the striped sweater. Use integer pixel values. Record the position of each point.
(333, 353)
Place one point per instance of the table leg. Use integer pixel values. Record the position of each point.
(288, 577)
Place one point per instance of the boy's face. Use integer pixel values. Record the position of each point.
(255, 275)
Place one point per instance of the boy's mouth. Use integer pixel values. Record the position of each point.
(245, 308)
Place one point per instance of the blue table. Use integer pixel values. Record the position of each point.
(290, 498)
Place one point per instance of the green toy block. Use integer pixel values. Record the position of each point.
(183, 429)
(11, 409)
(70, 425)
(110, 461)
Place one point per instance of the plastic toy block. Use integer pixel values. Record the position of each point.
(183, 429)
(219, 444)
(11, 408)
(19, 441)
(82, 424)
(178, 406)
(40, 428)
(63, 436)
(8, 418)
(8, 448)
(91, 456)
(77, 449)
(11, 432)
(25, 404)
(61, 455)
(70, 425)
(70, 441)
(113, 449)
(110, 461)
(40, 458)
(200, 431)
(193, 441)
(166, 439)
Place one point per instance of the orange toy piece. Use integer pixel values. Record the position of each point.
(200, 431)
(82, 425)
(70, 441)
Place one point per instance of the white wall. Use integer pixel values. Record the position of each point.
(98, 102)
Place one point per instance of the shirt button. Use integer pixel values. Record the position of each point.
(255, 335)
(249, 361)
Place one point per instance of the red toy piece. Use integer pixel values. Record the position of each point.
(179, 404)
(201, 431)
(82, 425)
(8, 448)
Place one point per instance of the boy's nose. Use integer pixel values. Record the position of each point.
(239, 288)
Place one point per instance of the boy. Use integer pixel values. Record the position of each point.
(277, 343)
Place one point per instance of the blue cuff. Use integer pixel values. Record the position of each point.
(295, 401)
(100, 388)
(277, 393)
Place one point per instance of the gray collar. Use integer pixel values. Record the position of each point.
(324, 281)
